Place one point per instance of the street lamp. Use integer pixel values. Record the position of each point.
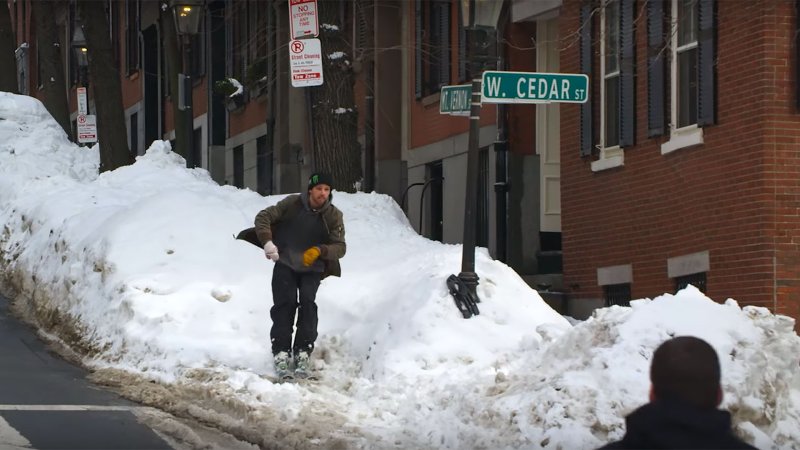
(188, 15)
(480, 22)
(81, 55)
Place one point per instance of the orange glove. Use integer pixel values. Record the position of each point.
(310, 256)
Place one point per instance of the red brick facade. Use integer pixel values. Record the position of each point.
(735, 196)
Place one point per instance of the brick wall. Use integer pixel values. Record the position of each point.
(735, 196)
(426, 124)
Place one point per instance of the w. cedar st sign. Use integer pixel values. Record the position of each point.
(533, 87)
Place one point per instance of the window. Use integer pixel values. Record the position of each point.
(113, 28)
(697, 280)
(432, 49)
(609, 67)
(691, 70)
(464, 69)
(617, 294)
(131, 36)
(617, 82)
(685, 51)
(239, 52)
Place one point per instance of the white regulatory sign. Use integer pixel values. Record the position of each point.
(305, 58)
(82, 102)
(303, 19)
(87, 128)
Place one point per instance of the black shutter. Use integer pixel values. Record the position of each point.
(656, 55)
(627, 75)
(797, 54)
(462, 47)
(706, 58)
(418, 48)
(444, 43)
(587, 140)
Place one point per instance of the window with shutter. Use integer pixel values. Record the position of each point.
(132, 36)
(609, 67)
(611, 112)
(432, 52)
(692, 86)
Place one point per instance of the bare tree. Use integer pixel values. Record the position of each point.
(335, 118)
(105, 77)
(51, 64)
(8, 76)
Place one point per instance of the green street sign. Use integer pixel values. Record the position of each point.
(455, 100)
(534, 87)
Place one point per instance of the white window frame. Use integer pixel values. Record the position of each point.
(689, 135)
(613, 156)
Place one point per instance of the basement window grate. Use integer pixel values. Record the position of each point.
(617, 294)
(697, 280)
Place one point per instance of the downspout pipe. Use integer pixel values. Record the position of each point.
(501, 147)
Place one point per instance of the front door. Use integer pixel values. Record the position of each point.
(548, 139)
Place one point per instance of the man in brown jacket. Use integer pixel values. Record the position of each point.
(304, 236)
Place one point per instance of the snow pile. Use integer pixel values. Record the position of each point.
(138, 270)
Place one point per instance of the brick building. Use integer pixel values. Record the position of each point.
(682, 167)
(688, 173)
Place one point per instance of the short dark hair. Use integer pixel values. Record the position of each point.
(686, 369)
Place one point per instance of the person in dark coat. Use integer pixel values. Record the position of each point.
(304, 235)
(685, 393)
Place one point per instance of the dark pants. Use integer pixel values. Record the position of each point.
(286, 283)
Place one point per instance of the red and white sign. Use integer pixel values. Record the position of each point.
(305, 58)
(82, 101)
(303, 19)
(87, 128)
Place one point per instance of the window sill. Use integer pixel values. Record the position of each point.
(609, 158)
(430, 99)
(682, 138)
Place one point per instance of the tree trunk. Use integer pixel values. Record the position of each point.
(107, 90)
(8, 43)
(334, 115)
(51, 65)
(173, 59)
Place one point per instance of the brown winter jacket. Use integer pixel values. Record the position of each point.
(332, 218)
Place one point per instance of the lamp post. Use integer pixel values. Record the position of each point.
(81, 55)
(480, 22)
(188, 14)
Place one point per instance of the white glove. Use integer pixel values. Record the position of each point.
(271, 251)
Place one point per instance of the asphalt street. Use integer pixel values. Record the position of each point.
(47, 403)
